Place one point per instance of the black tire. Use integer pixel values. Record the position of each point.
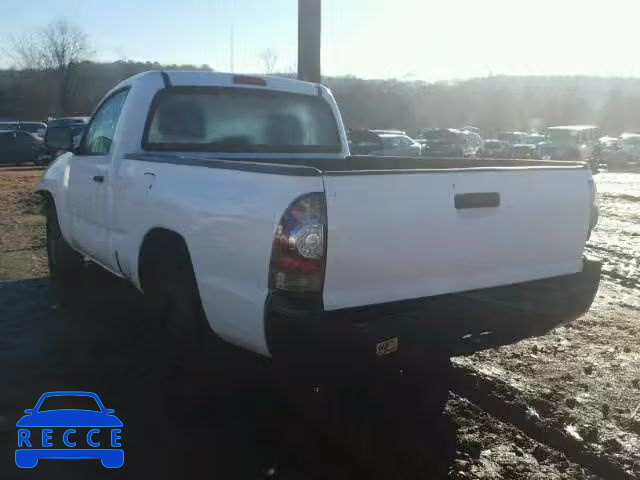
(65, 264)
(173, 303)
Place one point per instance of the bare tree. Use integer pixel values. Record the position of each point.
(269, 58)
(25, 52)
(57, 49)
(63, 46)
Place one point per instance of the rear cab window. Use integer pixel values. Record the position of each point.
(220, 119)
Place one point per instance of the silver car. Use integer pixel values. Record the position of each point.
(398, 146)
(371, 142)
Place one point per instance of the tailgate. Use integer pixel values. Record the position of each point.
(395, 236)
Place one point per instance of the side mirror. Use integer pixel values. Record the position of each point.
(29, 411)
(109, 411)
(59, 138)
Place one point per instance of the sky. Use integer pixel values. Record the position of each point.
(429, 40)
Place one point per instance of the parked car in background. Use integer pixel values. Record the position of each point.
(524, 150)
(611, 153)
(534, 139)
(549, 151)
(629, 147)
(471, 129)
(39, 128)
(472, 143)
(399, 146)
(494, 148)
(373, 142)
(573, 142)
(608, 140)
(76, 123)
(444, 142)
(17, 146)
(514, 138)
(396, 132)
(363, 142)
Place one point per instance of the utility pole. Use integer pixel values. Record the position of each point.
(231, 50)
(231, 46)
(309, 23)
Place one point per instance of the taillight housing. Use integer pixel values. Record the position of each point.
(299, 246)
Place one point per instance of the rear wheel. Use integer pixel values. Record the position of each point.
(65, 264)
(173, 302)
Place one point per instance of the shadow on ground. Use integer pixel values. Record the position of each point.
(223, 422)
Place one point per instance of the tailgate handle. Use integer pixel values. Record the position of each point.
(477, 200)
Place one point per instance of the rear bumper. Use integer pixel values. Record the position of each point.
(454, 324)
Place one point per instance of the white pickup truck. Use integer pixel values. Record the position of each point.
(235, 199)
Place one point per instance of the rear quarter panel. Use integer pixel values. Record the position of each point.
(228, 219)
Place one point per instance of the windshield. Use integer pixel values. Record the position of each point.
(562, 135)
(438, 135)
(66, 402)
(241, 120)
(631, 141)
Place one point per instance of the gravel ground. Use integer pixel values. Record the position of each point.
(236, 426)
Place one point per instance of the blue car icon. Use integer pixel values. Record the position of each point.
(36, 430)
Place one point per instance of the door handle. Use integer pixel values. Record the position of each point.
(98, 178)
(477, 200)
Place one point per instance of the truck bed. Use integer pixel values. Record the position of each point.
(400, 228)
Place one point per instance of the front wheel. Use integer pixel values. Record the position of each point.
(65, 264)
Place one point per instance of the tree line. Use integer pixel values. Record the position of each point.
(54, 76)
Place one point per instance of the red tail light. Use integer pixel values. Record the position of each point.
(247, 80)
(298, 253)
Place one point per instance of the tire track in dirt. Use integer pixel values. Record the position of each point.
(507, 404)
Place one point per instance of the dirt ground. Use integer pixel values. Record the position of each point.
(562, 406)
(583, 379)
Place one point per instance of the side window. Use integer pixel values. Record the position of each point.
(99, 135)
